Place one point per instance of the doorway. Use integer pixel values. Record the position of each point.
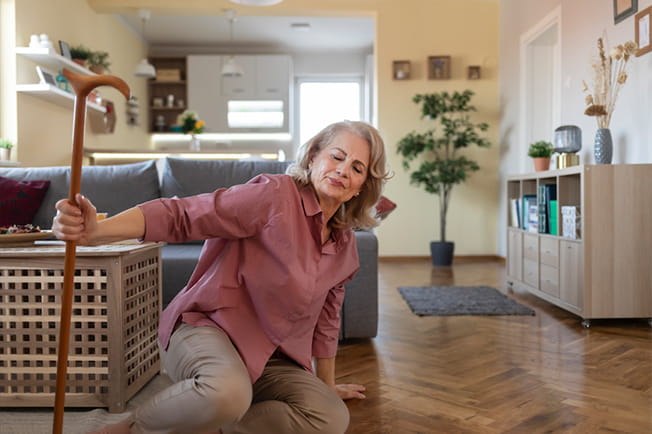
(540, 83)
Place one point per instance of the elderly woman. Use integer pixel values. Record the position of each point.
(265, 298)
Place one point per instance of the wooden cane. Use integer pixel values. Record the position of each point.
(82, 85)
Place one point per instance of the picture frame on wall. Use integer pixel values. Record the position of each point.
(624, 9)
(474, 72)
(439, 67)
(643, 31)
(64, 48)
(401, 70)
(46, 76)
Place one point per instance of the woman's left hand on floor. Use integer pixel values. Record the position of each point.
(350, 391)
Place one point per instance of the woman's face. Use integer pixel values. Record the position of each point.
(339, 170)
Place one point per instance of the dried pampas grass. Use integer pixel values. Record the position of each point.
(609, 75)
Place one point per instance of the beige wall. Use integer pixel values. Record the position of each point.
(44, 129)
(406, 30)
(582, 22)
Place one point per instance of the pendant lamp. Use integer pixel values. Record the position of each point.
(231, 68)
(145, 69)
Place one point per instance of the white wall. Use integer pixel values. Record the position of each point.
(583, 22)
(323, 64)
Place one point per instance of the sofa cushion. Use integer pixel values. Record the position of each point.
(58, 188)
(111, 188)
(115, 188)
(19, 200)
(184, 178)
(384, 207)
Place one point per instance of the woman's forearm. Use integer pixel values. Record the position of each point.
(127, 225)
(325, 370)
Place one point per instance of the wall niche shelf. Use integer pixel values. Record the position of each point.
(53, 61)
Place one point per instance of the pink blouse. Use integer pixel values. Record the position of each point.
(263, 275)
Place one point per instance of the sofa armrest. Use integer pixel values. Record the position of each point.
(360, 308)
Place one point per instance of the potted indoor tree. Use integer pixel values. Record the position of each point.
(540, 152)
(440, 164)
(5, 149)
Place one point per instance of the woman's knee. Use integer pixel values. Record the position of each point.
(227, 401)
(336, 415)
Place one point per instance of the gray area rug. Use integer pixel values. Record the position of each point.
(77, 420)
(460, 300)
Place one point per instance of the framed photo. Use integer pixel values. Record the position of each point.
(65, 49)
(401, 70)
(643, 31)
(474, 72)
(623, 9)
(439, 67)
(46, 76)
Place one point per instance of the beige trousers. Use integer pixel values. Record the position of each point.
(212, 390)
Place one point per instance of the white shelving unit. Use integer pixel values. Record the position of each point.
(53, 61)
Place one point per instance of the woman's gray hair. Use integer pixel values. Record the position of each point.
(359, 211)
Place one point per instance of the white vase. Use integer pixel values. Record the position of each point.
(195, 143)
(5, 154)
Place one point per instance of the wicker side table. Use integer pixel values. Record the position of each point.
(116, 306)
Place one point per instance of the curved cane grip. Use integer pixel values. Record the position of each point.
(84, 84)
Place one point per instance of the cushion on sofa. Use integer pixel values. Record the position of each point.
(111, 188)
(184, 178)
(115, 188)
(58, 188)
(19, 200)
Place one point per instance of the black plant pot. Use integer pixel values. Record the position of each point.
(442, 253)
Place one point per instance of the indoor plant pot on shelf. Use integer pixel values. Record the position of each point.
(5, 149)
(541, 152)
(440, 165)
(98, 62)
(80, 54)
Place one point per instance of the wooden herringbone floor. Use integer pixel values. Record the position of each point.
(481, 374)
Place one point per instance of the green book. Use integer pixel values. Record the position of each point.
(552, 212)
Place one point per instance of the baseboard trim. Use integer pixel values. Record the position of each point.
(457, 259)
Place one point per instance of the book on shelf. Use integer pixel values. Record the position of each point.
(527, 201)
(514, 208)
(553, 218)
(533, 217)
(545, 193)
(571, 221)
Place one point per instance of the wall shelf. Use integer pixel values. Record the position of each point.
(51, 60)
(55, 95)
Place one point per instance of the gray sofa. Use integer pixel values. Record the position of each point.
(117, 187)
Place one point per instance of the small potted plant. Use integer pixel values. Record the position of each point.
(80, 54)
(5, 149)
(98, 62)
(541, 152)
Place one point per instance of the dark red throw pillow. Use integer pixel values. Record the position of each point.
(384, 206)
(20, 200)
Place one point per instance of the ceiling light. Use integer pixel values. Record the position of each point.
(145, 69)
(256, 2)
(300, 27)
(231, 68)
